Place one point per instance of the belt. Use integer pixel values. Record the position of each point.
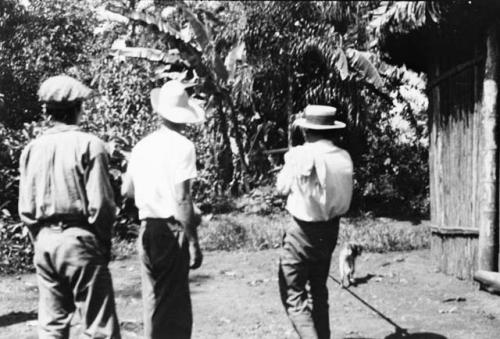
(62, 224)
(172, 223)
(317, 223)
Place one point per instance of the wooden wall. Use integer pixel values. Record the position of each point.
(455, 96)
(455, 254)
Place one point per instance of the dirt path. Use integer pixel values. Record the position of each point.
(235, 295)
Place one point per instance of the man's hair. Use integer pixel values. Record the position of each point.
(329, 134)
(64, 113)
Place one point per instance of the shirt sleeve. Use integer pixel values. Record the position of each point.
(284, 180)
(187, 166)
(26, 204)
(127, 189)
(101, 203)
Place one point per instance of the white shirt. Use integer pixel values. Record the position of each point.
(157, 163)
(317, 177)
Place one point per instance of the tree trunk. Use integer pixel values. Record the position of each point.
(239, 143)
(223, 156)
(289, 105)
(488, 215)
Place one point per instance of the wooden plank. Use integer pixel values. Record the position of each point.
(465, 231)
(489, 280)
(455, 256)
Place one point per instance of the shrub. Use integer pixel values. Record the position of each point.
(227, 235)
(48, 38)
(12, 142)
(16, 251)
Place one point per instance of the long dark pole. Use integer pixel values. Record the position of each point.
(399, 329)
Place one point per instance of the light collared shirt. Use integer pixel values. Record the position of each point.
(317, 177)
(157, 164)
(64, 176)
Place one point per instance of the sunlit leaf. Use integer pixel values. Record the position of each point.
(365, 70)
(199, 28)
(235, 55)
(341, 64)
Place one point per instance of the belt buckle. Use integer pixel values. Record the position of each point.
(60, 226)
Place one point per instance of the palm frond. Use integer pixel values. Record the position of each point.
(145, 18)
(404, 17)
(198, 27)
(364, 68)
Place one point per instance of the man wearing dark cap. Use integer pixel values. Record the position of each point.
(66, 199)
(317, 177)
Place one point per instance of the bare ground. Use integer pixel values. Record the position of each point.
(235, 295)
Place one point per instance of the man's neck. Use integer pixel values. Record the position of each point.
(64, 123)
(318, 140)
(173, 126)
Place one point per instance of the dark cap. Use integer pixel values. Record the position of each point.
(62, 90)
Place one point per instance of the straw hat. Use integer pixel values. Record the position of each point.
(319, 117)
(172, 102)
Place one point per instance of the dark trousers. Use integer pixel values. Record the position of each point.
(72, 272)
(164, 256)
(305, 260)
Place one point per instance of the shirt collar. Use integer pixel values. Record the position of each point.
(167, 130)
(323, 144)
(60, 127)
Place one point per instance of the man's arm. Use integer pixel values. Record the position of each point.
(26, 203)
(101, 203)
(127, 189)
(190, 220)
(285, 177)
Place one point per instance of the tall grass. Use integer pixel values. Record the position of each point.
(253, 232)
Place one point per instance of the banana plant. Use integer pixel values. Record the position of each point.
(197, 54)
(218, 76)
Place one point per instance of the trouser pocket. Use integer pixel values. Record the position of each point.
(160, 245)
(81, 247)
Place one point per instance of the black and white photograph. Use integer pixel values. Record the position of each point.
(177, 169)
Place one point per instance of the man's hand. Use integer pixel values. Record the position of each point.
(196, 257)
(197, 218)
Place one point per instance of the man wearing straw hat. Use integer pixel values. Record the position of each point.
(317, 177)
(159, 176)
(66, 199)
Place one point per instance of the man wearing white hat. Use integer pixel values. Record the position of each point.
(317, 177)
(66, 199)
(159, 176)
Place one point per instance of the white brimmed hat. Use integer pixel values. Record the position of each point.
(173, 103)
(319, 117)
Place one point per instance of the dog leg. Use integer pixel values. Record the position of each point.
(351, 274)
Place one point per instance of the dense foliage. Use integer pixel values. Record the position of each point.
(51, 37)
(256, 65)
(309, 53)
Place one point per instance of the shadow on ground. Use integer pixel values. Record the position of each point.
(16, 317)
(199, 278)
(405, 335)
(362, 280)
(418, 335)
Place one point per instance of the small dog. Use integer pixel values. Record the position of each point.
(347, 262)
